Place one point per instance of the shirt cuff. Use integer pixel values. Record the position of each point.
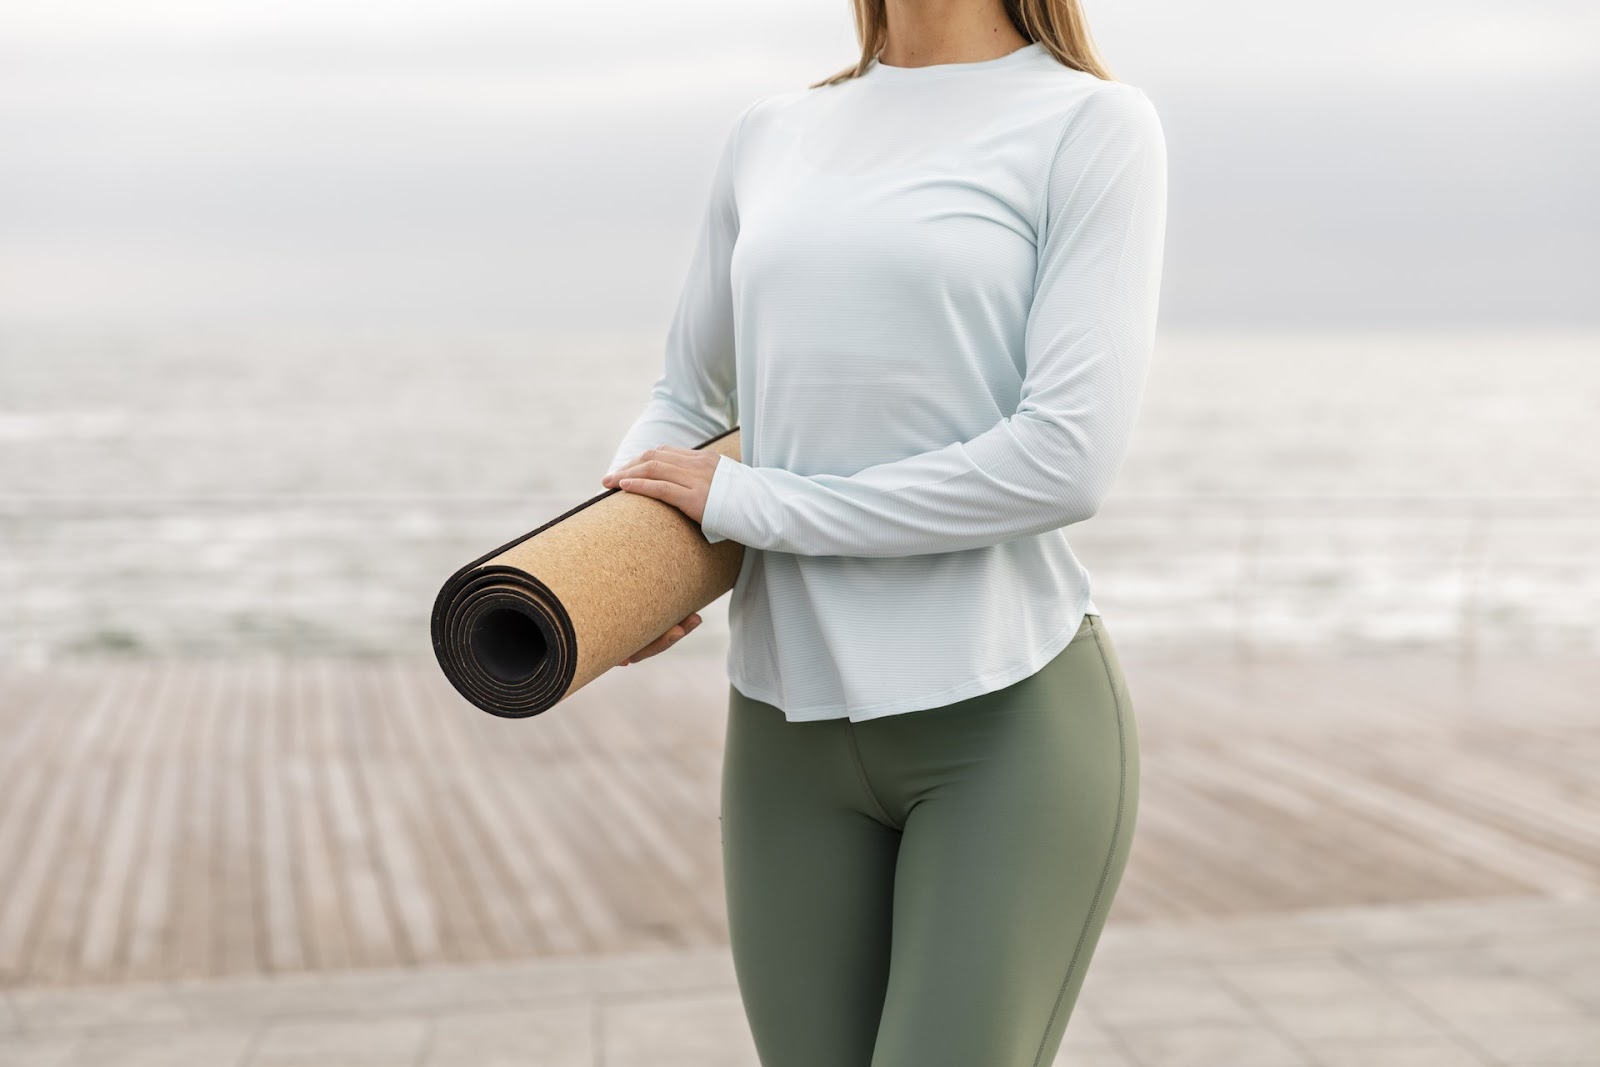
(715, 496)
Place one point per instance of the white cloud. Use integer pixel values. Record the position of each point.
(174, 154)
(1224, 40)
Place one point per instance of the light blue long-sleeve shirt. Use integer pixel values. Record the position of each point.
(928, 297)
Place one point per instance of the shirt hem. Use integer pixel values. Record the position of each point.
(976, 687)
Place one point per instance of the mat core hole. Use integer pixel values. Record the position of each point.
(509, 645)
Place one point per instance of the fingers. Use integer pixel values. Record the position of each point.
(666, 640)
(662, 463)
(670, 492)
(659, 645)
(649, 477)
(651, 461)
(681, 478)
(660, 468)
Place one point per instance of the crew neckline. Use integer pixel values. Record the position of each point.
(1032, 48)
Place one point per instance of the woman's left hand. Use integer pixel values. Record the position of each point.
(679, 476)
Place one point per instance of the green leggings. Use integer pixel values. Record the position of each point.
(926, 889)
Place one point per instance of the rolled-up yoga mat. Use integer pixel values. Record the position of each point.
(529, 623)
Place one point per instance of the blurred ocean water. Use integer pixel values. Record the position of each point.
(307, 492)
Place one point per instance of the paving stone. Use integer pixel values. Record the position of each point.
(78, 1009)
(1583, 987)
(707, 1030)
(1462, 998)
(1085, 1034)
(1164, 998)
(1560, 958)
(1451, 921)
(367, 1042)
(1541, 1042)
(1308, 977)
(1232, 938)
(1363, 1018)
(550, 1037)
(690, 970)
(1211, 1045)
(1476, 957)
(1087, 1043)
(353, 992)
(1513, 984)
(1434, 1053)
(1553, 952)
(1077, 1058)
(37, 1050)
(164, 1047)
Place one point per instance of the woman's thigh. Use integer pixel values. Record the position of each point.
(809, 878)
(1017, 811)
(928, 888)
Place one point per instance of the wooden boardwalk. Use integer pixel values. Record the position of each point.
(164, 819)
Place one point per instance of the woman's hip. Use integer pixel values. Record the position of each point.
(1060, 736)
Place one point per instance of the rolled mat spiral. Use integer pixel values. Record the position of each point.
(524, 626)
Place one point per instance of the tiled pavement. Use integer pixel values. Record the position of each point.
(1469, 983)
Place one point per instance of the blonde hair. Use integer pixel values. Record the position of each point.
(1057, 24)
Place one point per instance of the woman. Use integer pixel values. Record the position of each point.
(926, 290)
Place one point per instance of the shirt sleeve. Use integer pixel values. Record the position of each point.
(694, 397)
(1088, 340)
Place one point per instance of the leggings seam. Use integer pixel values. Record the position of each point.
(861, 772)
(1111, 852)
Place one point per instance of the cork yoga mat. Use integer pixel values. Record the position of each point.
(529, 623)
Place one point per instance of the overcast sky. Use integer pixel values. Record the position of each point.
(459, 162)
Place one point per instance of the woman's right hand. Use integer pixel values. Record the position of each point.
(666, 640)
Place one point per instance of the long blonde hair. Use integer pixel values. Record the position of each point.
(1058, 24)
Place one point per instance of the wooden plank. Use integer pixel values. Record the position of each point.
(110, 906)
(191, 912)
(1526, 806)
(284, 937)
(1348, 853)
(30, 885)
(645, 838)
(322, 901)
(150, 918)
(367, 903)
(234, 870)
(86, 788)
(169, 818)
(467, 813)
(374, 754)
(1529, 868)
(25, 791)
(463, 924)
